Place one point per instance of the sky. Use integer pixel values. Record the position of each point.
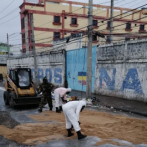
(10, 17)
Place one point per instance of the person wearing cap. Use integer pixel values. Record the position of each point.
(60, 97)
(72, 111)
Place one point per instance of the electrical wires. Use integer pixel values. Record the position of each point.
(6, 7)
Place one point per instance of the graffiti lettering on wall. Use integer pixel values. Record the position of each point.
(53, 75)
(131, 80)
(105, 77)
(82, 77)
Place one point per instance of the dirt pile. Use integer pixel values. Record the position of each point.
(103, 125)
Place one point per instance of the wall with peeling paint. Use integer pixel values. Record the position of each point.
(50, 64)
(121, 70)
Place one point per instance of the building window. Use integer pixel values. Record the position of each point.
(128, 26)
(127, 39)
(57, 19)
(73, 35)
(56, 35)
(108, 39)
(94, 38)
(95, 23)
(23, 38)
(108, 24)
(74, 21)
(142, 27)
(22, 23)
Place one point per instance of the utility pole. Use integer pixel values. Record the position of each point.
(111, 21)
(89, 50)
(8, 44)
(34, 50)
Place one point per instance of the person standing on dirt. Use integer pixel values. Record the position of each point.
(72, 111)
(46, 89)
(60, 97)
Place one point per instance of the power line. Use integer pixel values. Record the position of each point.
(9, 13)
(126, 23)
(119, 15)
(125, 13)
(67, 22)
(7, 6)
(86, 26)
(9, 20)
(72, 31)
(51, 21)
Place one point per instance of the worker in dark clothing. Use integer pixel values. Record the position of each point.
(46, 89)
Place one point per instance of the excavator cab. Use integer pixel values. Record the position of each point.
(20, 89)
(21, 77)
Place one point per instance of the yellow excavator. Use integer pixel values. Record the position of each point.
(20, 89)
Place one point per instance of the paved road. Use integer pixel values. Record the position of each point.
(20, 115)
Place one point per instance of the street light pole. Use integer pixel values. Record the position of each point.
(89, 50)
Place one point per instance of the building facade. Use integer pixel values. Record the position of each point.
(3, 58)
(58, 19)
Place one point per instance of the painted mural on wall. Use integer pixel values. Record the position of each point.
(53, 75)
(131, 81)
(123, 73)
(82, 77)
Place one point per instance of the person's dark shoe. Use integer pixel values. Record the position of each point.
(51, 108)
(71, 128)
(80, 135)
(40, 110)
(61, 108)
(57, 110)
(69, 133)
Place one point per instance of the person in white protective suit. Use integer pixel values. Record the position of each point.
(72, 111)
(60, 97)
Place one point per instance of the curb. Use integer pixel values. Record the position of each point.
(125, 110)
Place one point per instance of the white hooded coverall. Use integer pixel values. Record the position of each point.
(72, 111)
(58, 93)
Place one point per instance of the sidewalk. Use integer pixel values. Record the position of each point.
(125, 105)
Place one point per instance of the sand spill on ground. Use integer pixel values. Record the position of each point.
(103, 125)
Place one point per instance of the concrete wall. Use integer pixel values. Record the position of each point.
(121, 70)
(50, 64)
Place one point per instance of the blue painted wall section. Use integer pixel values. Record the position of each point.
(58, 75)
(48, 74)
(76, 62)
(105, 77)
(132, 81)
